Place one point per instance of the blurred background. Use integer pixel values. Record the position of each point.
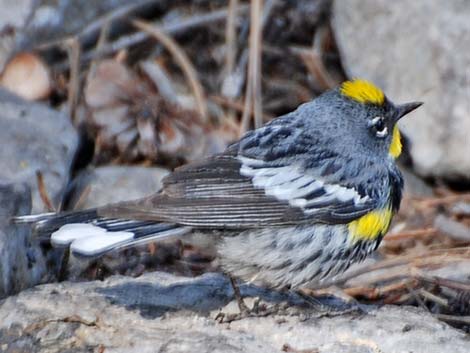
(99, 100)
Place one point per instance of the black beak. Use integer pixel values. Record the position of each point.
(406, 108)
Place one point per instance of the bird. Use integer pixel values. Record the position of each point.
(291, 204)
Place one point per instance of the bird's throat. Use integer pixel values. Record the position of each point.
(395, 145)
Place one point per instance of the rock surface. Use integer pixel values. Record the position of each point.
(15, 12)
(105, 185)
(52, 20)
(35, 138)
(13, 16)
(21, 262)
(162, 313)
(416, 50)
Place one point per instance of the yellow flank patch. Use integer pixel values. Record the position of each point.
(362, 91)
(395, 145)
(371, 225)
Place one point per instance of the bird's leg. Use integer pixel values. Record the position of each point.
(244, 311)
(238, 296)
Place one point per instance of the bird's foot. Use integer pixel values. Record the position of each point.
(259, 308)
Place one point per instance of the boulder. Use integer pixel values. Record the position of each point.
(13, 17)
(111, 184)
(35, 138)
(159, 312)
(22, 264)
(416, 51)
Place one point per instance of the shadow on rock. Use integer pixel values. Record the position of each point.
(201, 294)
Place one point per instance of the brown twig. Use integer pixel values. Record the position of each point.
(247, 107)
(444, 200)
(373, 293)
(96, 26)
(102, 39)
(230, 46)
(43, 192)
(370, 293)
(236, 105)
(434, 257)
(232, 85)
(416, 296)
(453, 318)
(172, 28)
(313, 60)
(418, 233)
(253, 84)
(230, 36)
(256, 38)
(82, 198)
(182, 60)
(72, 47)
(270, 4)
(314, 64)
(444, 282)
(432, 297)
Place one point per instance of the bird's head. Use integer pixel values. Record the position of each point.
(360, 115)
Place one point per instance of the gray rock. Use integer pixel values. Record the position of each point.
(105, 185)
(416, 50)
(35, 138)
(28, 23)
(162, 313)
(21, 262)
(13, 15)
(53, 20)
(414, 185)
(15, 12)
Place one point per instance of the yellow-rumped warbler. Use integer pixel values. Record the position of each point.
(296, 201)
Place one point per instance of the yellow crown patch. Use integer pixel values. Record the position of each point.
(362, 91)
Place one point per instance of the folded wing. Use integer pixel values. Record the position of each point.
(230, 191)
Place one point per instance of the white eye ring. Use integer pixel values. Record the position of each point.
(375, 120)
(379, 133)
(382, 133)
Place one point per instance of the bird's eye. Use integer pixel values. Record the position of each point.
(379, 127)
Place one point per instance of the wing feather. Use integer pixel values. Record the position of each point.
(229, 191)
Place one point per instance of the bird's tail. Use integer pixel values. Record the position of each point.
(89, 234)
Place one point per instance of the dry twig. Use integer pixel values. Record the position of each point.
(230, 36)
(312, 59)
(444, 200)
(43, 192)
(73, 51)
(453, 318)
(411, 234)
(182, 60)
(437, 257)
(230, 44)
(444, 282)
(96, 26)
(432, 297)
(172, 28)
(237, 105)
(253, 85)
